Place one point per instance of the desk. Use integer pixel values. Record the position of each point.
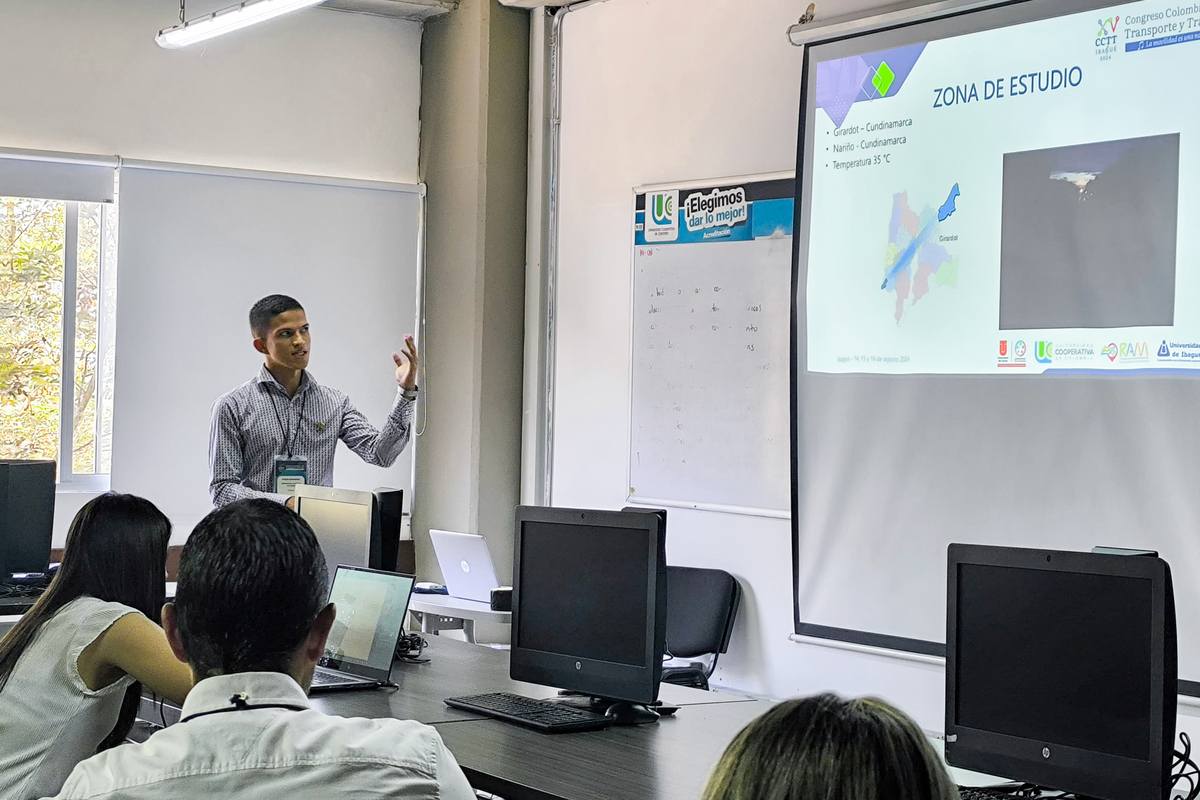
(669, 759)
(454, 668)
(439, 612)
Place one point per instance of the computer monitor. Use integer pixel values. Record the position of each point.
(26, 516)
(346, 524)
(589, 602)
(1061, 669)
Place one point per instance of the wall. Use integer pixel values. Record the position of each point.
(473, 156)
(729, 108)
(318, 92)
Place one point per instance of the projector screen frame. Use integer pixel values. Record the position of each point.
(898, 17)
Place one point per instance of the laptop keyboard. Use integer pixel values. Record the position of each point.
(974, 793)
(324, 677)
(542, 715)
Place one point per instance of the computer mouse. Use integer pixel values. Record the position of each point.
(428, 587)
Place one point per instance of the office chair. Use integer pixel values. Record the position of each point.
(702, 605)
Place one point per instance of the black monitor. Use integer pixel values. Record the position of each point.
(589, 602)
(26, 516)
(1061, 669)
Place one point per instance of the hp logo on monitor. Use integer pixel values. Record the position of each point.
(578, 665)
(1046, 752)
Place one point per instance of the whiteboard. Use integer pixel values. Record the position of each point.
(198, 247)
(709, 425)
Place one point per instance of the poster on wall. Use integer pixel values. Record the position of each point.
(709, 422)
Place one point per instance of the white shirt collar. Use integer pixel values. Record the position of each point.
(258, 688)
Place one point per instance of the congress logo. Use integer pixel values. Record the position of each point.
(1107, 40)
(1107, 34)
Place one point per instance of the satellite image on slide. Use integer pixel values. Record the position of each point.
(915, 259)
(1089, 235)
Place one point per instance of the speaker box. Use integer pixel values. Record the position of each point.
(391, 519)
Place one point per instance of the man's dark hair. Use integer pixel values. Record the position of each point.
(252, 580)
(267, 309)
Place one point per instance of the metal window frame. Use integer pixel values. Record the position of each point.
(68, 479)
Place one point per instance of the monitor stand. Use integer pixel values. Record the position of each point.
(621, 712)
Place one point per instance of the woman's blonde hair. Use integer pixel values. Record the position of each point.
(827, 748)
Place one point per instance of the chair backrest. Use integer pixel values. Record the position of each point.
(701, 607)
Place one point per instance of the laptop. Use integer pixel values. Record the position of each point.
(466, 565)
(371, 606)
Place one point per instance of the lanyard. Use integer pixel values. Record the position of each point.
(289, 439)
(238, 703)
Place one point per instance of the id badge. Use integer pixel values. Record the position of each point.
(290, 472)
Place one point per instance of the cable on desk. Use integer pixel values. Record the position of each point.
(1184, 769)
(410, 647)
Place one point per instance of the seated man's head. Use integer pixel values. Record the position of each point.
(251, 595)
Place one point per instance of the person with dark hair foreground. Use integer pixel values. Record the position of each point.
(72, 670)
(250, 618)
(282, 427)
(833, 749)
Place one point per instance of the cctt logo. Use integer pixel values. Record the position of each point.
(1107, 34)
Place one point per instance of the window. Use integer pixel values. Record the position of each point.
(57, 293)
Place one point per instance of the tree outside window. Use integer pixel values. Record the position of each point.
(57, 292)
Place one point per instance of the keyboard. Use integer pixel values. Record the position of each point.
(975, 793)
(327, 677)
(542, 715)
(18, 599)
(323, 678)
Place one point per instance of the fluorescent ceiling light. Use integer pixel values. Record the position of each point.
(226, 20)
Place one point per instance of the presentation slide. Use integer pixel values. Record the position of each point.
(1002, 193)
(1009, 202)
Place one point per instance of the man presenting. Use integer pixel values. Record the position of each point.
(282, 427)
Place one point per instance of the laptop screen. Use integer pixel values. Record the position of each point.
(370, 615)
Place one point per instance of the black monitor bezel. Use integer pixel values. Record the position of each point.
(1067, 768)
(635, 684)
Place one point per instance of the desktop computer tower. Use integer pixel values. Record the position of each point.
(396, 555)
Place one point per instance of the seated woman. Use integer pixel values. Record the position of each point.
(72, 670)
(833, 749)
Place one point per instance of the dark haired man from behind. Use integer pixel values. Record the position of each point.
(282, 427)
(250, 618)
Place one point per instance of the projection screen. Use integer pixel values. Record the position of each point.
(996, 321)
